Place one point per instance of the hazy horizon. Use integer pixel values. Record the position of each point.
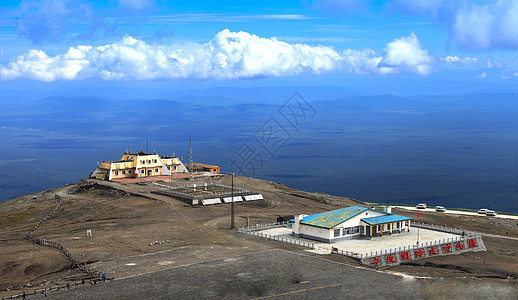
(455, 151)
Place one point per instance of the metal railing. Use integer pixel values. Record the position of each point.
(281, 239)
(443, 228)
(464, 235)
(173, 190)
(262, 226)
(348, 253)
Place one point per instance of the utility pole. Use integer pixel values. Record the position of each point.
(232, 217)
(190, 156)
(172, 164)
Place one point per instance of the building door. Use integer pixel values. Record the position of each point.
(367, 230)
(149, 172)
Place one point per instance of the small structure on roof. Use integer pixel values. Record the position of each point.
(349, 223)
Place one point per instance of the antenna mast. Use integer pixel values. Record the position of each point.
(190, 155)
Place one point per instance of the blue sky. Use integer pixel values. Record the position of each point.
(436, 45)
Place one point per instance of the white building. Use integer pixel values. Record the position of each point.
(349, 223)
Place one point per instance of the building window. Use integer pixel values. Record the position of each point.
(397, 225)
(123, 172)
(129, 172)
(142, 171)
(337, 232)
(156, 170)
(174, 168)
(149, 161)
(155, 161)
(143, 162)
(116, 173)
(168, 167)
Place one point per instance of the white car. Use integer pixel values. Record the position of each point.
(483, 211)
(421, 206)
(440, 208)
(490, 213)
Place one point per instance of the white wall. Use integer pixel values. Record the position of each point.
(315, 231)
(357, 220)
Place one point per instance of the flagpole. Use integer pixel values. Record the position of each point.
(417, 230)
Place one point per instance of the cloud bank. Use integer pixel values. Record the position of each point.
(229, 55)
(489, 24)
(44, 21)
(492, 25)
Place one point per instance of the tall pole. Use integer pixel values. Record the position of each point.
(417, 230)
(191, 166)
(232, 217)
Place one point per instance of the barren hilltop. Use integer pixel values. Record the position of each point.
(137, 232)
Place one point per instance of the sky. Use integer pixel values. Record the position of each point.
(426, 46)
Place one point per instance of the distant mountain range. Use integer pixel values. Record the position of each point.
(447, 150)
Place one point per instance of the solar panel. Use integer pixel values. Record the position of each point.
(236, 199)
(211, 201)
(254, 197)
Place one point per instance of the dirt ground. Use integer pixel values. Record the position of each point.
(127, 220)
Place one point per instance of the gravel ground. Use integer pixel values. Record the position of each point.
(284, 275)
(126, 218)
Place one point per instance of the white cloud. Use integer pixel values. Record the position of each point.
(469, 60)
(310, 39)
(406, 55)
(450, 59)
(516, 74)
(456, 59)
(486, 24)
(482, 76)
(229, 55)
(494, 64)
(490, 24)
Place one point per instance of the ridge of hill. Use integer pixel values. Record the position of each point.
(125, 220)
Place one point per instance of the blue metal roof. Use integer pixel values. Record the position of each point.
(330, 219)
(384, 219)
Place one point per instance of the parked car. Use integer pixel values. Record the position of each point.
(440, 208)
(490, 213)
(483, 211)
(421, 206)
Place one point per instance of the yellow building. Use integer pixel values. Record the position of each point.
(140, 164)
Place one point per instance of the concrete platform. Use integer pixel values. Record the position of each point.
(363, 246)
